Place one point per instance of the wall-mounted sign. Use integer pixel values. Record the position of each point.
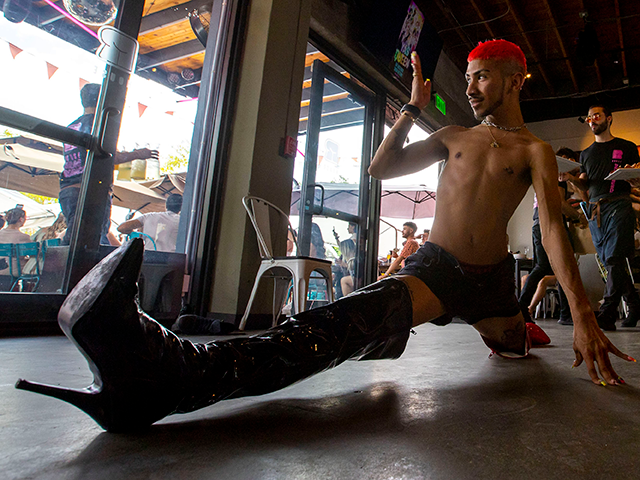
(440, 104)
(407, 43)
(391, 30)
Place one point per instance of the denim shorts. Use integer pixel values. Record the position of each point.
(469, 292)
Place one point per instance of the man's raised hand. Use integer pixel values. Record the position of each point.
(420, 88)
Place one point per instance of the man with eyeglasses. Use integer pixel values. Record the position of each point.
(612, 220)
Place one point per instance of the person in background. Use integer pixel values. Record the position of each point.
(162, 227)
(317, 249)
(74, 163)
(55, 230)
(613, 220)
(410, 247)
(347, 260)
(15, 219)
(542, 266)
(424, 238)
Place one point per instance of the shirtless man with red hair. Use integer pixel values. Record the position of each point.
(144, 372)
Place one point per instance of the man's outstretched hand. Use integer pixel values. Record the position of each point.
(591, 345)
(420, 88)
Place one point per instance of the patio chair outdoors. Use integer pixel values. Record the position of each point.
(15, 251)
(281, 269)
(145, 237)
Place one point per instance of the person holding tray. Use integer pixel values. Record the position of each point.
(613, 221)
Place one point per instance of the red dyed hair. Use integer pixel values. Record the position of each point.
(500, 49)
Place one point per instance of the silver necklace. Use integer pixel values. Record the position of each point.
(500, 127)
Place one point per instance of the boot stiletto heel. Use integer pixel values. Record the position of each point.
(143, 372)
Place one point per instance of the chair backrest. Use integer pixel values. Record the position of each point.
(24, 249)
(144, 237)
(259, 211)
(52, 242)
(32, 267)
(8, 250)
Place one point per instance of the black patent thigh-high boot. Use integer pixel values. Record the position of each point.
(143, 372)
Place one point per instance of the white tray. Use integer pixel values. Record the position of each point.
(566, 165)
(624, 174)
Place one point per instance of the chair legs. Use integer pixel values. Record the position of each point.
(301, 275)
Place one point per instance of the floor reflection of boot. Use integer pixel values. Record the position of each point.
(143, 372)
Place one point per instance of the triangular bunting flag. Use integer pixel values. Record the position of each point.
(169, 113)
(51, 69)
(82, 83)
(141, 109)
(14, 50)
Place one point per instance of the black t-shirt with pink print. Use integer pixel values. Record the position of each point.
(75, 157)
(600, 159)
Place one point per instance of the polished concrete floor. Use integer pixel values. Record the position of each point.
(443, 411)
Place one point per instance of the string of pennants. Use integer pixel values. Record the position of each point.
(52, 69)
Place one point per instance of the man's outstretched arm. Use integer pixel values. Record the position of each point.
(393, 159)
(589, 342)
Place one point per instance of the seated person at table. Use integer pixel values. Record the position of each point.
(410, 247)
(15, 219)
(162, 227)
(425, 236)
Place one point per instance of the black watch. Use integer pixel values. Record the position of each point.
(411, 110)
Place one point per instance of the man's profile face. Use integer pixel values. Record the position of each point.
(485, 87)
(598, 121)
(407, 231)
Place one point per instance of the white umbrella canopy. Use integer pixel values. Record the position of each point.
(31, 165)
(38, 215)
(398, 201)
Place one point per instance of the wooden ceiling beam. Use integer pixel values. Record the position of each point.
(169, 16)
(312, 57)
(327, 98)
(171, 54)
(516, 18)
(561, 43)
(307, 82)
(483, 19)
(624, 57)
(446, 11)
(595, 64)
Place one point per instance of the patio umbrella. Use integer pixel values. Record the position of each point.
(398, 201)
(28, 167)
(167, 184)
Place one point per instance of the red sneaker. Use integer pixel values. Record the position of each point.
(537, 335)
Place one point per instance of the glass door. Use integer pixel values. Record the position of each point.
(334, 190)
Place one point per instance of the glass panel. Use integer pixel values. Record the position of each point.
(53, 65)
(50, 59)
(338, 171)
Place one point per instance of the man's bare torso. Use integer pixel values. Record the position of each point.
(479, 189)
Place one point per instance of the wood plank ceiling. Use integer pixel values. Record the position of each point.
(578, 51)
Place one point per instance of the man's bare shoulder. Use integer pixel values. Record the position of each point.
(542, 154)
(450, 130)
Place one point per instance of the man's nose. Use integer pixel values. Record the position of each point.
(471, 88)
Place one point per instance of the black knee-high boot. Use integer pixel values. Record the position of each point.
(143, 372)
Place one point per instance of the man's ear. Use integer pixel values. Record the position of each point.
(517, 81)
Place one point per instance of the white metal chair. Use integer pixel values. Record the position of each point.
(298, 268)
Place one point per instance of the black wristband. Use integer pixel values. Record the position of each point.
(411, 110)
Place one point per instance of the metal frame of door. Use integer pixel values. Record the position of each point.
(308, 208)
